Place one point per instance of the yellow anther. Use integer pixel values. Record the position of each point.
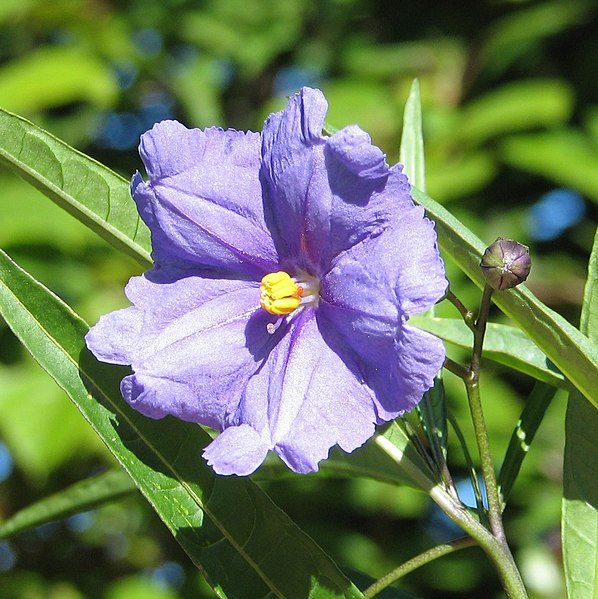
(280, 294)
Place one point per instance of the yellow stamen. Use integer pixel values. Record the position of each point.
(280, 294)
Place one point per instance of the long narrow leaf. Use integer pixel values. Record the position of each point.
(503, 344)
(91, 192)
(246, 546)
(580, 492)
(82, 496)
(412, 140)
(570, 351)
(523, 435)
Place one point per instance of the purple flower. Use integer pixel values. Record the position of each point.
(286, 267)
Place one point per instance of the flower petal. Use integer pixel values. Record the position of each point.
(392, 276)
(398, 368)
(115, 338)
(367, 298)
(301, 397)
(203, 201)
(202, 349)
(192, 344)
(323, 195)
(295, 190)
(238, 450)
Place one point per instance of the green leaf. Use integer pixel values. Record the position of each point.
(580, 492)
(89, 191)
(396, 443)
(82, 496)
(31, 413)
(369, 461)
(432, 413)
(570, 351)
(246, 546)
(463, 175)
(503, 344)
(14, 9)
(139, 586)
(523, 435)
(412, 140)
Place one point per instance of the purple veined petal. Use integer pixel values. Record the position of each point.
(414, 261)
(421, 356)
(398, 367)
(159, 297)
(238, 450)
(390, 277)
(301, 398)
(191, 360)
(116, 337)
(203, 202)
(293, 175)
(324, 195)
(368, 296)
(352, 148)
(412, 361)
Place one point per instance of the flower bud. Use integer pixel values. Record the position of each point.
(505, 264)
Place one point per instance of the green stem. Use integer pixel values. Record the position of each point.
(493, 541)
(497, 550)
(479, 425)
(479, 330)
(420, 560)
(467, 315)
(456, 368)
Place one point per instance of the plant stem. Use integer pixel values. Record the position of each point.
(479, 425)
(456, 368)
(505, 563)
(496, 549)
(416, 562)
(479, 330)
(494, 541)
(467, 315)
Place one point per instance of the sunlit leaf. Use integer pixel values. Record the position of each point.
(460, 175)
(10, 9)
(580, 492)
(370, 461)
(82, 496)
(570, 351)
(518, 33)
(412, 140)
(267, 30)
(31, 413)
(89, 191)
(139, 586)
(503, 344)
(365, 102)
(246, 546)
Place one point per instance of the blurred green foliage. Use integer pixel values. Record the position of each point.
(510, 107)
